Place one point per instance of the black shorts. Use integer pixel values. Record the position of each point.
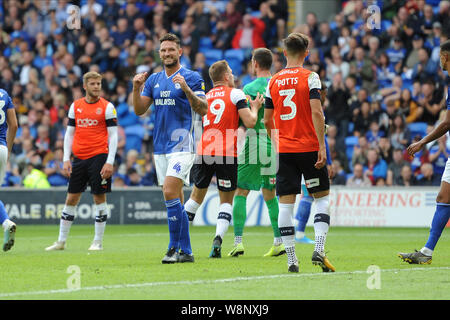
(86, 172)
(225, 169)
(291, 168)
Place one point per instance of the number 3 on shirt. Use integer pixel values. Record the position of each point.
(215, 111)
(288, 103)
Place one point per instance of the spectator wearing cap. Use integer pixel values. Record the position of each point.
(413, 57)
(133, 179)
(396, 54)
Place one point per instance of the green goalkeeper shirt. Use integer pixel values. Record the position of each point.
(252, 142)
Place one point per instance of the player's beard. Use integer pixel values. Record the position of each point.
(172, 64)
(92, 95)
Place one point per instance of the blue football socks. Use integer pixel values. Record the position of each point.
(3, 214)
(185, 240)
(440, 219)
(303, 212)
(174, 219)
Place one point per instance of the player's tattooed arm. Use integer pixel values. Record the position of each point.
(198, 104)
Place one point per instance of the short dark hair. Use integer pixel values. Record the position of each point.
(263, 57)
(217, 70)
(445, 47)
(170, 37)
(296, 43)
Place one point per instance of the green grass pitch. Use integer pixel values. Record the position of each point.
(130, 266)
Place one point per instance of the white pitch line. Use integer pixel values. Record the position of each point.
(196, 282)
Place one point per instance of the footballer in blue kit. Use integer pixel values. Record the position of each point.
(178, 96)
(8, 129)
(442, 213)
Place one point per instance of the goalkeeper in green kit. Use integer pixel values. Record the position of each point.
(256, 163)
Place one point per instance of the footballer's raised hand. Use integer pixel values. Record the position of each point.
(181, 81)
(140, 79)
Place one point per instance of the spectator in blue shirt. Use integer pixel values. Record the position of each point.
(122, 36)
(376, 167)
(54, 169)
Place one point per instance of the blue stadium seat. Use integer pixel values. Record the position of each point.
(235, 57)
(418, 128)
(350, 142)
(206, 43)
(134, 135)
(212, 55)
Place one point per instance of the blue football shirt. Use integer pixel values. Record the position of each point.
(174, 119)
(5, 104)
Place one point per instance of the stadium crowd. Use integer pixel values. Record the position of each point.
(385, 86)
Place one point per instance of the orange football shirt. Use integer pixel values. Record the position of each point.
(91, 133)
(220, 124)
(289, 90)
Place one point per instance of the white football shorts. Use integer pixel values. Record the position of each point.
(3, 162)
(446, 174)
(177, 164)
